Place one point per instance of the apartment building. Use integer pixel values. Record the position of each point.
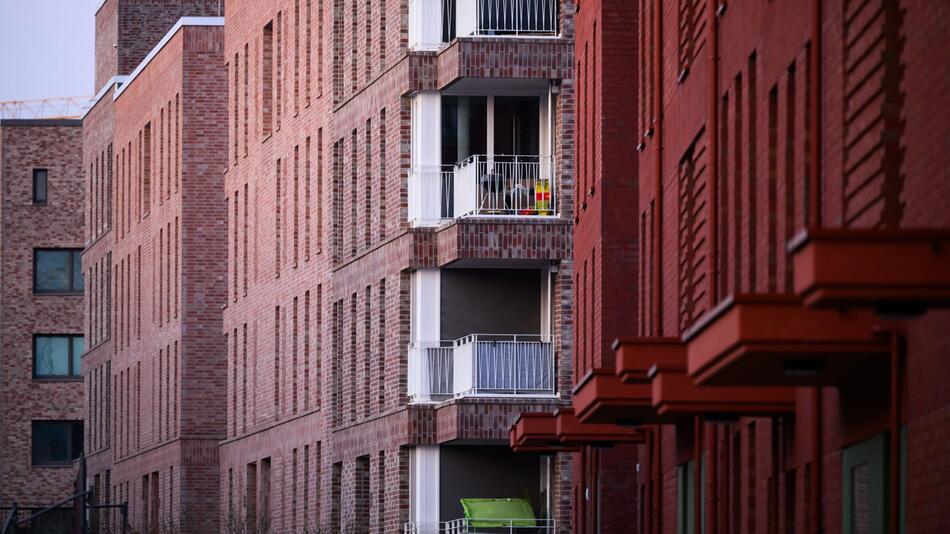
(153, 151)
(399, 189)
(41, 299)
(786, 358)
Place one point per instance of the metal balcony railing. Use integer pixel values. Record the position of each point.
(501, 17)
(430, 193)
(482, 364)
(467, 526)
(504, 185)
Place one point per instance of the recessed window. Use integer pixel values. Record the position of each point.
(57, 271)
(57, 356)
(56, 442)
(39, 186)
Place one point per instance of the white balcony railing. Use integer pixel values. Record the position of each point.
(468, 526)
(430, 190)
(481, 364)
(503, 17)
(504, 185)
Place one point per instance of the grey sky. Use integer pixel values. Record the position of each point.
(46, 48)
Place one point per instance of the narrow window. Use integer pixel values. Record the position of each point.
(146, 169)
(296, 236)
(296, 56)
(39, 186)
(267, 80)
(279, 60)
(306, 200)
(307, 44)
(278, 201)
(277, 361)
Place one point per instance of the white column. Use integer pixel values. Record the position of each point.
(425, 180)
(424, 488)
(424, 328)
(425, 24)
(544, 125)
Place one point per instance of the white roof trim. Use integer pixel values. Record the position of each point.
(184, 21)
(113, 81)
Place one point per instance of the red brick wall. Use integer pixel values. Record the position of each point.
(167, 360)
(881, 102)
(58, 224)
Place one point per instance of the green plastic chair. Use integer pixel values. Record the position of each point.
(488, 513)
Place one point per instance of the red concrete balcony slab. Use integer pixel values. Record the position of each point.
(662, 362)
(774, 340)
(562, 432)
(636, 356)
(894, 271)
(675, 394)
(601, 398)
(536, 432)
(572, 432)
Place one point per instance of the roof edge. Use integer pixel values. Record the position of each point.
(40, 122)
(182, 22)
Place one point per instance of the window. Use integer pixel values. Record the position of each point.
(864, 484)
(57, 356)
(39, 186)
(57, 271)
(685, 498)
(56, 442)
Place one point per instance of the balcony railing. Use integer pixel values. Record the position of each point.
(492, 186)
(504, 185)
(501, 17)
(468, 526)
(481, 364)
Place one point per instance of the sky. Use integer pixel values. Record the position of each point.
(46, 48)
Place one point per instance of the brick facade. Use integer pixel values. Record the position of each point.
(789, 125)
(25, 145)
(322, 253)
(154, 152)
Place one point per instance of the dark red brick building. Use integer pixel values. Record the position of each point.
(41, 299)
(777, 276)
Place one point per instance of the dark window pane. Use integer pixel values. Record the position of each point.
(52, 270)
(51, 442)
(76, 440)
(77, 271)
(51, 356)
(79, 345)
(39, 186)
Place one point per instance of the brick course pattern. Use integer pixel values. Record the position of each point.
(320, 255)
(155, 253)
(26, 145)
(714, 214)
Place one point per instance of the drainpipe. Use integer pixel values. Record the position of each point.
(816, 221)
(713, 122)
(816, 470)
(815, 90)
(658, 480)
(895, 445)
(712, 511)
(658, 184)
(648, 494)
(697, 473)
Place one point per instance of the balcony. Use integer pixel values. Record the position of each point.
(484, 185)
(435, 22)
(493, 526)
(494, 18)
(481, 365)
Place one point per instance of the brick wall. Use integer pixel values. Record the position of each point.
(57, 147)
